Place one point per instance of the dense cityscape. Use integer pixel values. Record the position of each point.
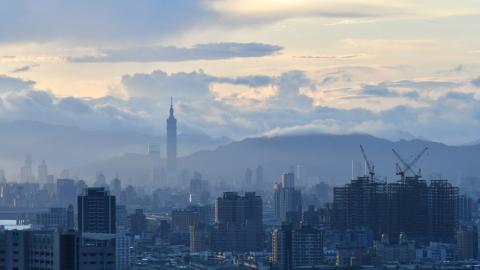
(368, 223)
(239, 135)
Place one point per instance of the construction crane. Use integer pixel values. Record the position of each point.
(371, 168)
(408, 166)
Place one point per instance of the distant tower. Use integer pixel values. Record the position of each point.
(26, 174)
(42, 172)
(259, 177)
(171, 146)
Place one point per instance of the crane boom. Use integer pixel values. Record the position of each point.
(371, 169)
(408, 166)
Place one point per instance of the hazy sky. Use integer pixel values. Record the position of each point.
(395, 69)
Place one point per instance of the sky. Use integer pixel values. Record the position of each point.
(241, 68)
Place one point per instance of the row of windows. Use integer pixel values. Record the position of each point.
(95, 254)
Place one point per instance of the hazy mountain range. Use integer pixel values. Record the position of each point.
(321, 157)
(70, 147)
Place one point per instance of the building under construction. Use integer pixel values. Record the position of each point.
(423, 211)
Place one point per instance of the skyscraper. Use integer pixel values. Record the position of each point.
(238, 223)
(296, 248)
(171, 146)
(97, 228)
(288, 199)
(26, 174)
(259, 177)
(96, 211)
(42, 172)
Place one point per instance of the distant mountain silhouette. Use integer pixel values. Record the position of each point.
(71, 147)
(323, 157)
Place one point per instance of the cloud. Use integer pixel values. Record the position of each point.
(209, 51)
(287, 103)
(476, 82)
(14, 84)
(21, 69)
(94, 22)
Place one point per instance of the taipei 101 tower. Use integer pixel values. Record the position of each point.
(171, 146)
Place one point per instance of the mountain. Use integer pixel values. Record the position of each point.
(321, 156)
(71, 147)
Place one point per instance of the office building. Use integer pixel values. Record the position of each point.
(287, 198)
(238, 223)
(97, 229)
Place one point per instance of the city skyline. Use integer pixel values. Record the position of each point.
(239, 134)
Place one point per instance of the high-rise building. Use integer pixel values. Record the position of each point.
(171, 146)
(26, 174)
(138, 222)
(116, 186)
(467, 242)
(3, 179)
(199, 193)
(296, 248)
(466, 208)
(238, 223)
(42, 176)
(282, 248)
(32, 249)
(96, 211)
(97, 229)
(247, 180)
(259, 177)
(311, 216)
(442, 211)
(198, 238)
(362, 202)
(411, 206)
(100, 180)
(287, 198)
(123, 240)
(66, 192)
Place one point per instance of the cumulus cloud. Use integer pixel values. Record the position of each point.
(255, 105)
(209, 51)
(8, 84)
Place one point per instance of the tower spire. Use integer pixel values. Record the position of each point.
(171, 106)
